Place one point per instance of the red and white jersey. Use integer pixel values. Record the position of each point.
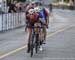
(32, 18)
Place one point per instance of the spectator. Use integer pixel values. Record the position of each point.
(51, 7)
(19, 6)
(12, 7)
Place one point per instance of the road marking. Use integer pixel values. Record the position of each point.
(14, 51)
(62, 29)
(21, 48)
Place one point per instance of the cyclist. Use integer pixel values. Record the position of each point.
(30, 6)
(31, 17)
(46, 12)
(34, 5)
(43, 17)
(51, 8)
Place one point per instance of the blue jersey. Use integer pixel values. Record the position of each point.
(42, 15)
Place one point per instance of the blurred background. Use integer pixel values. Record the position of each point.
(64, 4)
(12, 11)
(60, 34)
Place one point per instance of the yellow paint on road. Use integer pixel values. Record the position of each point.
(62, 29)
(14, 51)
(21, 48)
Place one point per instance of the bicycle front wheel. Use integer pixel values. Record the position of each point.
(32, 45)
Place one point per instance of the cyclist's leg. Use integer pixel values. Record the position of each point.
(29, 35)
(44, 34)
(42, 20)
(44, 29)
(29, 38)
(40, 36)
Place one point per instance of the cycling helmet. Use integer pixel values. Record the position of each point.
(40, 8)
(31, 11)
(36, 9)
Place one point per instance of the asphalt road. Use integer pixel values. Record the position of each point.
(60, 40)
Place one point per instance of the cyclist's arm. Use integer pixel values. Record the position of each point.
(47, 15)
(47, 20)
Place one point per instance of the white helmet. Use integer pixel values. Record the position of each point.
(36, 9)
(40, 8)
(31, 11)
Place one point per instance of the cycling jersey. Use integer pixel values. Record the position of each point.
(46, 12)
(42, 15)
(32, 18)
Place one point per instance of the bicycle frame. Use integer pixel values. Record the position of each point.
(35, 42)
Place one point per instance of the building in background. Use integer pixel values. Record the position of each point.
(71, 3)
(67, 2)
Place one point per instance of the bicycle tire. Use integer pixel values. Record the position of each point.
(32, 45)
